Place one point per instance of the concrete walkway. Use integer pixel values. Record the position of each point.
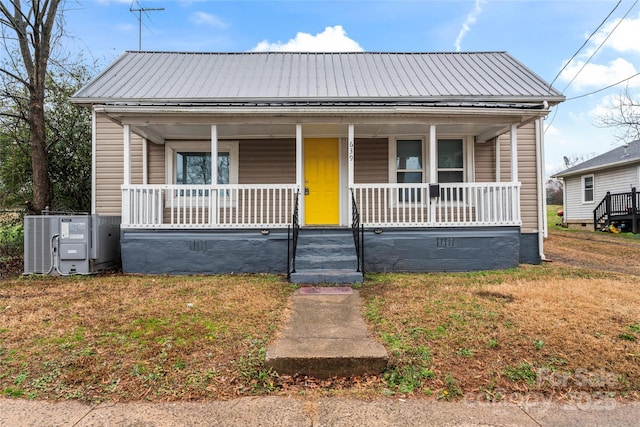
(334, 411)
(325, 336)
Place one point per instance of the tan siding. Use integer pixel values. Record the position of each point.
(271, 161)
(156, 164)
(109, 164)
(527, 173)
(371, 164)
(485, 158)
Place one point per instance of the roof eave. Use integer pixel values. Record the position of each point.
(597, 168)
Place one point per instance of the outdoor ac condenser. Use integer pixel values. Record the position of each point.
(70, 244)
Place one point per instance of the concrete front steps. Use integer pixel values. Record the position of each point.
(325, 336)
(326, 256)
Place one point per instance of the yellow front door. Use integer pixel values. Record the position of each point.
(321, 181)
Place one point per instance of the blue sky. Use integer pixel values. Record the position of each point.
(543, 34)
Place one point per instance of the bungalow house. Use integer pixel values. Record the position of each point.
(602, 190)
(235, 162)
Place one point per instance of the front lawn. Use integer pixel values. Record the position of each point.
(546, 329)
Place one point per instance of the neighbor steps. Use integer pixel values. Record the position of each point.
(326, 256)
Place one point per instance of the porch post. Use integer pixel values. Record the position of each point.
(299, 172)
(514, 153)
(144, 162)
(127, 155)
(94, 161)
(214, 154)
(351, 151)
(498, 159)
(433, 161)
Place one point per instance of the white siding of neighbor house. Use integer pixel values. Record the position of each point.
(617, 180)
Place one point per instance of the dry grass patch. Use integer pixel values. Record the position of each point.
(137, 337)
(535, 329)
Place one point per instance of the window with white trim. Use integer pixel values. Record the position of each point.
(588, 184)
(450, 160)
(189, 163)
(409, 167)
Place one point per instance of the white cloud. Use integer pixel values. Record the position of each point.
(466, 25)
(203, 18)
(624, 38)
(127, 28)
(332, 39)
(599, 75)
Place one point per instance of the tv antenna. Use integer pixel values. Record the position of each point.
(140, 10)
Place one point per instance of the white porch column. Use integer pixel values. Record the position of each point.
(127, 155)
(94, 127)
(514, 153)
(352, 152)
(498, 159)
(433, 160)
(299, 172)
(145, 168)
(214, 154)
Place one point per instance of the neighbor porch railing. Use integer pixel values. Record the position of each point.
(208, 206)
(438, 205)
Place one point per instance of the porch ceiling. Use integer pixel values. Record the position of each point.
(160, 132)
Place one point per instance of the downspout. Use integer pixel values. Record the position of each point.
(542, 196)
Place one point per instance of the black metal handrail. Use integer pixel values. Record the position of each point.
(292, 238)
(358, 233)
(616, 204)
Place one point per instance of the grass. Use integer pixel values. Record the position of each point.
(137, 337)
(502, 329)
(553, 329)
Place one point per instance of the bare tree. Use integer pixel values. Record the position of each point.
(624, 117)
(31, 26)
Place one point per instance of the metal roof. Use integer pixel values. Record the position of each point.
(182, 77)
(628, 153)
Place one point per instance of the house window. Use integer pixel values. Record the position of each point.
(195, 168)
(409, 167)
(450, 160)
(587, 188)
(189, 162)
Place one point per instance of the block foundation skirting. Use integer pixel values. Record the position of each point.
(392, 250)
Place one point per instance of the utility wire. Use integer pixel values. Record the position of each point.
(600, 45)
(588, 60)
(601, 89)
(585, 42)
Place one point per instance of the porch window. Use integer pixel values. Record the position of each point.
(409, 167)
(195, 168)
(450, 160)
(587, 188)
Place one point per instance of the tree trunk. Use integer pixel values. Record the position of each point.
(39, 156)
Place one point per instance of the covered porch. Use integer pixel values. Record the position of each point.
(393, 187)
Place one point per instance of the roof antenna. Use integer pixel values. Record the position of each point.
(566, 161)
(140, 10)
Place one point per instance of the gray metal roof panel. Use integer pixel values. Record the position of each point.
(617, 156)
(280, 75)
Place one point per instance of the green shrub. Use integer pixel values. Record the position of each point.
(11, 237)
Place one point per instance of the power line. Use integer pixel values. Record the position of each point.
(585, 42)
(600, 45)
(601, 89)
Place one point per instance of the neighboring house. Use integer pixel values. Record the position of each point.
(438, 156)
(586, 185)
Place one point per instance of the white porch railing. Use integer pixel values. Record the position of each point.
(457, 204)
(207, 206)
(271, 205)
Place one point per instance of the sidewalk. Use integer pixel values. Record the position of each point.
(334, 411)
